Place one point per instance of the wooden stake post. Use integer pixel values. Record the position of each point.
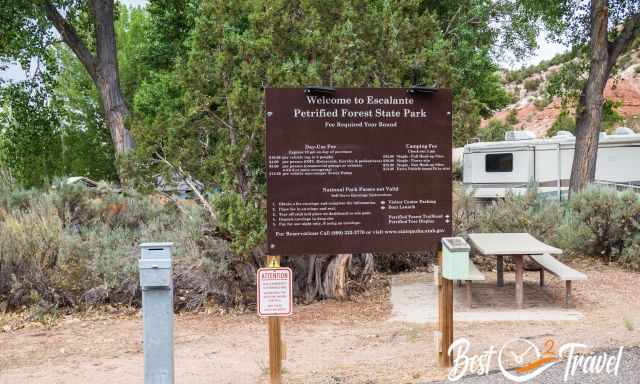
(445, 315)
(276, 351)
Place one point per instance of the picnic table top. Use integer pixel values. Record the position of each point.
(510, 244)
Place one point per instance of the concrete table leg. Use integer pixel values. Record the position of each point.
(500, 270)
(518, 259)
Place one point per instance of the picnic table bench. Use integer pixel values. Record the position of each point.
(518, 245)
(560, 270)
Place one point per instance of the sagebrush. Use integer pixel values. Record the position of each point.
(72, 247)
(599, 221)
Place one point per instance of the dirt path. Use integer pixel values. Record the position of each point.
(329, 342)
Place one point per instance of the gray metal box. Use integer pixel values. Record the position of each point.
(155, 273)
(155, 265)
(156, 250)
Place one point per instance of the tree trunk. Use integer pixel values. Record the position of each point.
(335, 277)
(102, 67)
(591, 100)
(329, 276)
(108, 81)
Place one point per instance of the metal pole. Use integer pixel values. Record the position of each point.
(157, 312)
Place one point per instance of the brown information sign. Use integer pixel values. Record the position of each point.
(361, 170)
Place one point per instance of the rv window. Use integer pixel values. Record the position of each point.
(499, 162)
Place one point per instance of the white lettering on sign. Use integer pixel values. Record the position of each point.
(275, 296)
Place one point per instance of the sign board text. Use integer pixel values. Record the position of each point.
(362, 170)
(275, 296)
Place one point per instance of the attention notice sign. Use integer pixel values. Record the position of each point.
(361, 170)
(275, 296)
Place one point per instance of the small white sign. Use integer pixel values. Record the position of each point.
(275, 296)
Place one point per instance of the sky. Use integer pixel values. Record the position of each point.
(546, 50)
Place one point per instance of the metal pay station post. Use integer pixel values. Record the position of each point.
(157, 309)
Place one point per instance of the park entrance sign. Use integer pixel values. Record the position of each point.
(358, 170)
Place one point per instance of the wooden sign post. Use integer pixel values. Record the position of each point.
(275, 350)
(445, 315)
(274, 301)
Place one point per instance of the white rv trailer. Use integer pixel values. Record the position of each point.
(492, 169)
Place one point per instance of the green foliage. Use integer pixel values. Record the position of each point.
(86, 142)
(598, 221)
(193, 73)
(169, 24)
(465, 211)
(512, 117)
(611, 217)
(630, 255)
(70, 246)
(202, 109)
(25, 32)
(30, 145)
(567, 82)
(132, 27)
(244, 222)
(52, 124)
(542, 102)
(520, 74)
(532, 85)
(531, 212)
(610, 116)
(564, 122)
(495, 130)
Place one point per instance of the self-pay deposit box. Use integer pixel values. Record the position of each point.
(155, 265)
(157, 312)
(455, 258)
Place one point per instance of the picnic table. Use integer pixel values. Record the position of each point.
(516, 245)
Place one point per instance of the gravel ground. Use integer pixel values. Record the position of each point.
(628, 374)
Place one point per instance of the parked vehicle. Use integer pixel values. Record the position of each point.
(493, 168)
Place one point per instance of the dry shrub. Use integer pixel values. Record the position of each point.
(465, 211)
(531, 212)
(598, 221)
(72, 247)
(608, 218)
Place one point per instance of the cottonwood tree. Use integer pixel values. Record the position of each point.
(608, 29)
(87, 28)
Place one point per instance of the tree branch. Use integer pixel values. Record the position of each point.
(189, 180)
(232, 129)
(248, 148)
(71, 38)
(451, 21)
(630, 31)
